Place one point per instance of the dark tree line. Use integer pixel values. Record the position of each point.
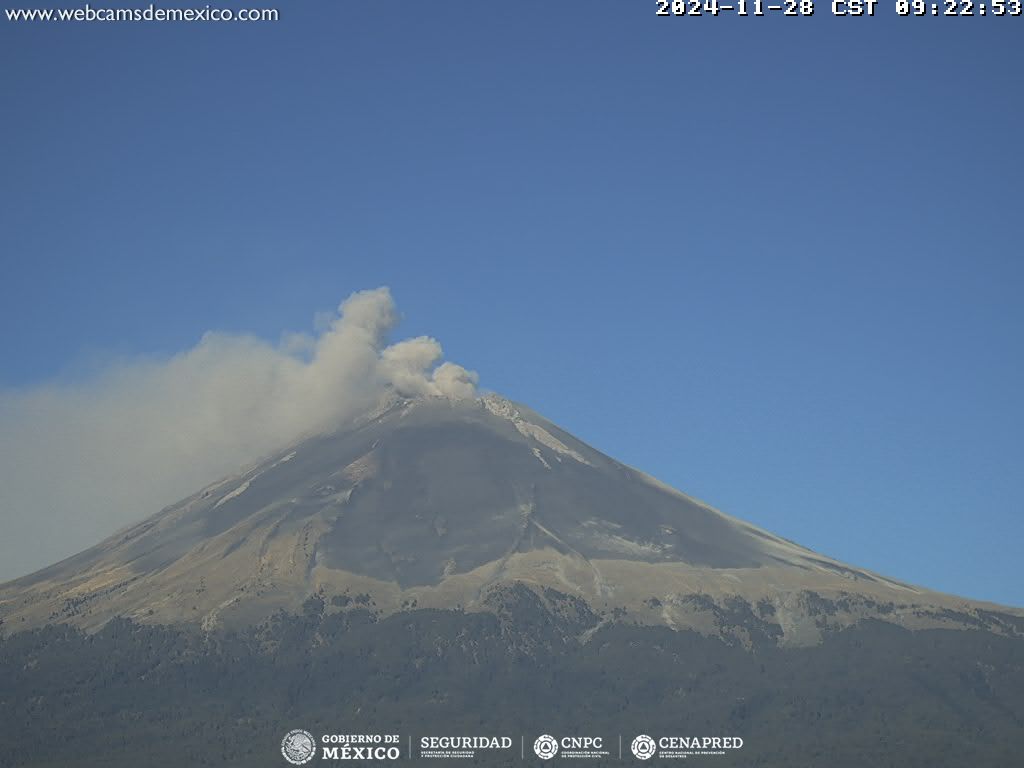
(875, 694)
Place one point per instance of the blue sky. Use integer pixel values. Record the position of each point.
(774, 261)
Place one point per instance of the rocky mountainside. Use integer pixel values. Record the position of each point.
(872, 694)
(441, 503)
(465, 567)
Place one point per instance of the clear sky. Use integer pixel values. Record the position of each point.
(775, 262)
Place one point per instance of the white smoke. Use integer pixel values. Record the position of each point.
(79, 462)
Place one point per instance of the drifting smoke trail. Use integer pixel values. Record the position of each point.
(76, 463)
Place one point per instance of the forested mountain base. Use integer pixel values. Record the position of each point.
(154, 696)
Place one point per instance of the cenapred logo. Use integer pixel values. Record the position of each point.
(298, 747)
(643, 747)
(546, 747)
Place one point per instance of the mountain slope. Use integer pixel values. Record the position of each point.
(441, 503)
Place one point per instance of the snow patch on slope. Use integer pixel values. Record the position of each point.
(283, 459)
(234, 494)
(540, 458)
(502, 408)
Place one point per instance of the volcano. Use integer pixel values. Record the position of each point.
(464, 567)
(443, 503)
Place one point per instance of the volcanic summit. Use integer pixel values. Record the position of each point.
(435, 502)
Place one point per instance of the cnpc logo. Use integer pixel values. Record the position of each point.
(546, 746)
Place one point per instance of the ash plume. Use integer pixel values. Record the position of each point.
(79, 461)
